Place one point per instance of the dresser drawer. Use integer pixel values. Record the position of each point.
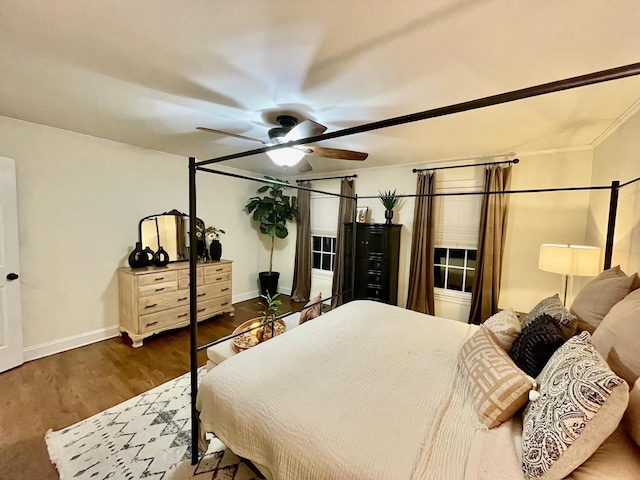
(157, 289)
(164, 301)
(183, 278)
(161, 320)
(215, 290)
(211, 307)
(219, 277)
(156, 278)
(217, 269)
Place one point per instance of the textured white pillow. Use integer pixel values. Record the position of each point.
(505, 326)
(581, 403)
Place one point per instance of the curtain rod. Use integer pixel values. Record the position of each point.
(542, 89)
(417, 170)
(273, 182)
(630, 182)
(325, 178)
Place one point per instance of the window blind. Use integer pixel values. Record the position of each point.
(324, 214)
(457, 218)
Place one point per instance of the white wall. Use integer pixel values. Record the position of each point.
(536, 218)
(618, 158)
(79, 202)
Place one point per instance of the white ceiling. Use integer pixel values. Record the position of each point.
(147, 72)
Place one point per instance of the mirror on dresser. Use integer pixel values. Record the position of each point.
(169, 230)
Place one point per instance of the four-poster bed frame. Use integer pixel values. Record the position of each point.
(556, 86)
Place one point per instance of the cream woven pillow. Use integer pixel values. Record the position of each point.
(581, 403)
(505, 325)
(498, 386)
(597, 297)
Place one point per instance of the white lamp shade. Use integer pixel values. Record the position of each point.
(578, 260)
(286, 157)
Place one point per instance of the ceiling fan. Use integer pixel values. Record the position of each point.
(290, 129)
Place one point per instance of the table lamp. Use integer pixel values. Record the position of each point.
(569, 261)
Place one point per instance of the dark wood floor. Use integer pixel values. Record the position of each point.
(60, 390)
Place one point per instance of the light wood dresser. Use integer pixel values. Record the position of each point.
(155, 299)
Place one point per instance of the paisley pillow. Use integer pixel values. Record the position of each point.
(581, 403)
(553, 307)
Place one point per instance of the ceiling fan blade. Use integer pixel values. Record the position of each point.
(304, 166)
(336, 153)
(305, 129)
(229, 134)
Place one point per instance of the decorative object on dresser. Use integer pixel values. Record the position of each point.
(272, 212)
(212, 242)
(155, 299)
(168, 231)
(377, 251)
(389, 199)
(363, 215)
(138, 258)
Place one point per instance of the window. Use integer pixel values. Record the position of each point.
(454, 268)
(324, 222)
(323, 252)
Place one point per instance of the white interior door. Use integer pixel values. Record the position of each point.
(11, 350)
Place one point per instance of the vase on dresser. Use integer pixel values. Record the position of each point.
(215, 250)
(161, 257)
(138, 258)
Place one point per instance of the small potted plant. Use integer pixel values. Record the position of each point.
(389, 200)
(271, 310)
(212, 242)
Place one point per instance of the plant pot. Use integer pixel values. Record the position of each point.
(215, 250)
(388, 214)
(268, 282)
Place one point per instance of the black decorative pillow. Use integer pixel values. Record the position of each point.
(535, 344)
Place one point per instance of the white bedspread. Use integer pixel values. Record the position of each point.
(367, 391)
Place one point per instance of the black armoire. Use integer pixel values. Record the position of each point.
(377, 251)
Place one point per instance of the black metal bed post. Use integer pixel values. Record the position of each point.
(611, 225)
(193, 303)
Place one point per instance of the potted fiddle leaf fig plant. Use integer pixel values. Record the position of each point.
(272, 211)
(389, 200)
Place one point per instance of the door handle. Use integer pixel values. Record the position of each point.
(12, 276)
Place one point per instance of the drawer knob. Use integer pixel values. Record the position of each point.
(159, 278)
(218, 279)
(151, 324)
(153, 305)
(218, 269)
(201, 310)
(201, 294)
(182, 299)
(224, 289)
(159, 289)
(182, 315)
(225, 303)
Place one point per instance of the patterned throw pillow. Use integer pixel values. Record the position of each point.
(499, 388)
(310, 310)
(581, 403)
(553, 307)
(505, 326)
(535, 345)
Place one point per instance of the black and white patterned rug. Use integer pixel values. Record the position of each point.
(146, 437)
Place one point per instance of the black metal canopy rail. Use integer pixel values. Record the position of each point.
(339, 177)
(194, 166)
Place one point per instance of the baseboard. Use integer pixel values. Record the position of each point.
(64, 344)
(82, 339)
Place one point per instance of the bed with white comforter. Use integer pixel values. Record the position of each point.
(366, 391)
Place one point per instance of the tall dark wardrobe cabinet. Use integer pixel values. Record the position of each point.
(377, 252)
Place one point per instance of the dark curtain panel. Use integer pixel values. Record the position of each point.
(346, 214)
(420, 297)
(493, 228)
(302, 267)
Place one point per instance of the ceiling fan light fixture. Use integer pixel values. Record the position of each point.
(286, 157)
